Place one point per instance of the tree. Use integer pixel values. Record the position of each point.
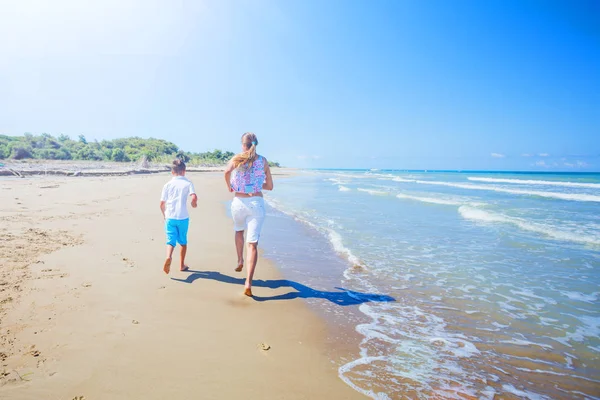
(82, 139)
(20, 152)
(119, 155)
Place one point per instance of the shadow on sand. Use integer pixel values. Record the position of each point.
(341, 297)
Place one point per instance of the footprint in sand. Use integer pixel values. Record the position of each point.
(135, 322)
(128, 262)
(86, 284)
(79, 398)
(263, 346)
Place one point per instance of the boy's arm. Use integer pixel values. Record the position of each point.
(193, 195)
(228, 171)
(268, 185)
(163, 201)
(162, 207)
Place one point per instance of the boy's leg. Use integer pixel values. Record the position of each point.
(171, 232)
(239, 247)
(182, 252)
(182, 230)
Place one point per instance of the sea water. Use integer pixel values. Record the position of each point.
(459, 284)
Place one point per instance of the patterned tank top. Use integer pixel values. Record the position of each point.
(249, 180)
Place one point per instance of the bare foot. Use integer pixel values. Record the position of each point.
(240, 266)
(167, 266)
(248, 292)
(184, 268)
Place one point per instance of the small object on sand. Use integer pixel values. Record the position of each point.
(264, 346)
(135, 322)
(86, 284)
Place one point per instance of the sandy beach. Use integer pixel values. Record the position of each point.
(86, 311)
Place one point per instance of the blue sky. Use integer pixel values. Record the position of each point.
(424, 84)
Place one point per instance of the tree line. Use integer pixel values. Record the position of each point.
(133, 149)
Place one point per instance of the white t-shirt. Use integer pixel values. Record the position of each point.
(175, 194)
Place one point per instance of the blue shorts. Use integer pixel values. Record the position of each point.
(176, 230)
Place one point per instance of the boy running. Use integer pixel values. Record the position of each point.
(173, 205)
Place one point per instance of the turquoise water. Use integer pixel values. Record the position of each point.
(495, 277)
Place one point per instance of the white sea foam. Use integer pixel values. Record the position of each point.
(477, 214)
(334, 237)
(536, 182)
(523, 394)
(552, 195)
(344, 188)
(373, 192)
(431, 200)
(588, 298)
(520, 342)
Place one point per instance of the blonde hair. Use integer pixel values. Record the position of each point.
(249, 155)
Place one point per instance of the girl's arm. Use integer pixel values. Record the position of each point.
(268, 185)
(228, 171)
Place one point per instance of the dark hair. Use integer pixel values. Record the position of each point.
(178, 166)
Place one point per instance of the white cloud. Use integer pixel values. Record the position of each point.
(541, 163)
(576, 164)
(308, 157)
(544, 155)
(497, 155)
(526, 155)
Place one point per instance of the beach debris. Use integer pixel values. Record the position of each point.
(87, 284)
(35, 353)
(79, 398)
(263, 346)
(135, 322)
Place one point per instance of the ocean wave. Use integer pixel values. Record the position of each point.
(344, 188)
(427, 348)
(554, 195)
(536, 182)
(335, 239)
(477, 214)
(373, 192)
(432, 200)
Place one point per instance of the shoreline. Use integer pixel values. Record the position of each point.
(103, 168)
(104, 320)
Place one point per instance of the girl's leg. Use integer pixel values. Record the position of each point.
(252, 259)
(239, 247)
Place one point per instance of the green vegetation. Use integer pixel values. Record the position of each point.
(48, 147)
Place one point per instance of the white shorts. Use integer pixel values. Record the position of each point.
(248, 214)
